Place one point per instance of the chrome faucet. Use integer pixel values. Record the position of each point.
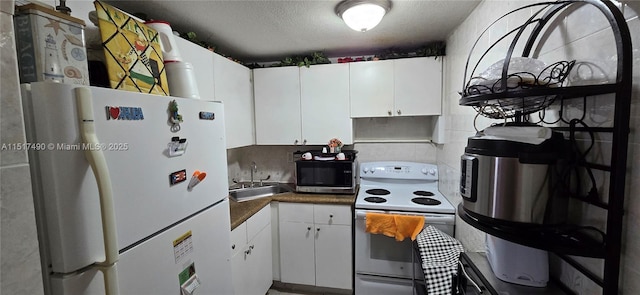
(254, 168)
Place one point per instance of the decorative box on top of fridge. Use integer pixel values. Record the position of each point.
(50, 46)
(132, 51)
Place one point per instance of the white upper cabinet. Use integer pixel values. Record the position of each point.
(302, 106)
(400, 87)
(277, 105)
(202, 61)
(325, 104)
(371, 88)
(418, 86)
(233, 87)
(221, 79)
(309, 106)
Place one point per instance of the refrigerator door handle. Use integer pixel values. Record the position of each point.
(84, 105)
(110, 279)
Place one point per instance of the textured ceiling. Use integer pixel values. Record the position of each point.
(262, 30)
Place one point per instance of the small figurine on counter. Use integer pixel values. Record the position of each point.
(335, 145)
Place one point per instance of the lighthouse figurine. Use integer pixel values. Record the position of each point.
(52, 70)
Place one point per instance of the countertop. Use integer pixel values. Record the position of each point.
(241, 211)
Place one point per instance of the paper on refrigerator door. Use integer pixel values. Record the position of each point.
(182, 246)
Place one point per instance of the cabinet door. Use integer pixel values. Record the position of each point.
(234, 88)
(238, 238)
(297, 263)
(259, 271)
(202, 61)
(238, 246)
(371, 88)
(324, 93)
(277, 104)
(238, 271)
(418, 86)
(333, 256)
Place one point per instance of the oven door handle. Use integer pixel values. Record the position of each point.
(429, 217)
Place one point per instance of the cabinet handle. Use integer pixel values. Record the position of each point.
(251, 247)
(330, 215)
(247, 252)
(304, 142)
(389, 112)
(233, 246)
(308, 228)
(295, 142)
(399, 112)
(318, 229)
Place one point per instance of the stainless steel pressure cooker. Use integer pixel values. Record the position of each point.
(508, 180)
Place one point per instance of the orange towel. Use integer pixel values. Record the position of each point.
(408, 226)
(380, 223)
(394, 226)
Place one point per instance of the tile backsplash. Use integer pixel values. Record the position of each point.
(277, 161)
(273, 161)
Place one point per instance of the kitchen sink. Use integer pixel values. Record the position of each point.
(241, 192)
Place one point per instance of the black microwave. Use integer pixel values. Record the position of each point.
(324, 174)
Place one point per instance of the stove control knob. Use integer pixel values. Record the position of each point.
(432, 171)
(424, 171)
(365, 169)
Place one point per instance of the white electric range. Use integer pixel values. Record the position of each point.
(383, 265)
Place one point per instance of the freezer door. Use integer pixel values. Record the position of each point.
(135, 132)
(192, 255)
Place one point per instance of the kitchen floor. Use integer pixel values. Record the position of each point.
(276, 292)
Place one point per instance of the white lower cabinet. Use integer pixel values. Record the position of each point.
(297, 260)
(315, 245)
(251, 265)
(333, 256)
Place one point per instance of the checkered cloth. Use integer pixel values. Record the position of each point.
(439, 253)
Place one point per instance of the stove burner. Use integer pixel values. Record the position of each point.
(423, 193)
(375, 199)
(377, 192)
(426, 201)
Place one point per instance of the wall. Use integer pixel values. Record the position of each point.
(20, 270)
(19, 255)
(580, 34)
(277, 161)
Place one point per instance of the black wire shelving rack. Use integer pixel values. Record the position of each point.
(518, 95)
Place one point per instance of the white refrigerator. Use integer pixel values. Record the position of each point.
(118, 206)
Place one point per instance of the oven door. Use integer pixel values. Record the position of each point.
(384, 256)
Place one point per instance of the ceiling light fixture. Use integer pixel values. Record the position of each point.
(362, 15)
